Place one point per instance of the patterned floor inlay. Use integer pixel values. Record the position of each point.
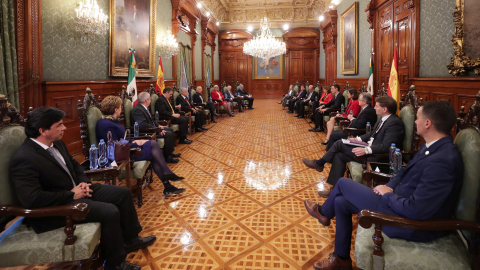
(243, 208)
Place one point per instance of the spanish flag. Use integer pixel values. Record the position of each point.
(393, 84)
(160, 81)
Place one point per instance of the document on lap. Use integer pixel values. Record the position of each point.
(354, 142)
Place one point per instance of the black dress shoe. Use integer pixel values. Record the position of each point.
(172, 191)
(215, 114)
(250, 108)
(214, 121)
(204, 128)
(175, 155)
(185, 141)
(289, 112)
(173, 177)
(171, 159)
(325, 142)
(199, 130)
(122, 266)
(313, 129)
(310, 122)
(139, 243)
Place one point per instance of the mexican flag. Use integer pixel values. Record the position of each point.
(132, 84)
(370, 76)
(393, 83)
(160, 80)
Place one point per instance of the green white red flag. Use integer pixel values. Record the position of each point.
(132, 83)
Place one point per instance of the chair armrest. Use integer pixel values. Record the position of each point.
(375, 178)
(77, 211)
(339, 119)
(163, 122)
(332, 111)
(349, 130)
(368, 217)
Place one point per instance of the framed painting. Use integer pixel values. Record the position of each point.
(466, 39)
(132, 25)
(349, 40)
(268, 69)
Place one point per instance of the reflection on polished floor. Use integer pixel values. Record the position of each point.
(243, 208)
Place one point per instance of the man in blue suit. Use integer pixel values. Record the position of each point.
(427, 188)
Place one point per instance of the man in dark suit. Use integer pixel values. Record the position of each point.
(232, 98)
(367, 114)
(198, 101)
(185, 106)
(300, 104)
(142, 116)
(336, 103)
(302, 94)
(245, 96)
(427, 188)
(44, 174)
(165, 109)
(387, 131)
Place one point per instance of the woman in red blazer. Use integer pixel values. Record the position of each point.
(217, 96)
(352, 107)
(326, 96)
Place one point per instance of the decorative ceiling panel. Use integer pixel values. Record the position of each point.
(239, 13)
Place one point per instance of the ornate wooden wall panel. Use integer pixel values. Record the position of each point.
(329, 30)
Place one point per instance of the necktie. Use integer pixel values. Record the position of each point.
(170, 105)
(151, 119)
(201, 98)
(299, 93)
(378, 127)
(309, 95)
(61, 162)
(187, 101)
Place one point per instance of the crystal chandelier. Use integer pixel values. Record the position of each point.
(90, 19)
(168, 44)
(264, 45)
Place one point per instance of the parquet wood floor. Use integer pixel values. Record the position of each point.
(243, 208)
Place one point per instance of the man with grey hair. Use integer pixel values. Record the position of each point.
(185, 106)
(141, 115)
(199, 101)
(232, 98)
(246, 96)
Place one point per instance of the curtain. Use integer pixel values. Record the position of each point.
(8, 53)
(188, 64)
(208, 72)
(180, 54)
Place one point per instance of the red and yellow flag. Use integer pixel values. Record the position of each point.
(393, 83)
(160, 81)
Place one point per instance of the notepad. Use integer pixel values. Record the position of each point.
(355, 142)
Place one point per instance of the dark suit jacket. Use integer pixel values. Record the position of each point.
(427, 188)
(312, 98)
(241, 92)
(163, 107)
(336, 103)
(366, 115)
(228, 96)
(140, 115)
(197, 99)
(303, 94)
(185, 106)
(40, 181)
(392, 131)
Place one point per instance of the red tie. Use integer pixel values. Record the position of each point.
(188, 102)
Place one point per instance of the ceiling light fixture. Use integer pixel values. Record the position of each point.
(168, 44)
(321, 18)
(208, 14)
(249, 28)
(90, 19)
(264, 45)
(217, 23)
(285, 27)
(199, 5)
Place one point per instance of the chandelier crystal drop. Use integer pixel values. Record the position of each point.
(90, 19)
(264, 45)
(168, 44)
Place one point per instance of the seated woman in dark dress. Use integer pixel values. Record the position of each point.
(111, 108)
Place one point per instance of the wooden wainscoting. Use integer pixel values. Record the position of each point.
(66, 94)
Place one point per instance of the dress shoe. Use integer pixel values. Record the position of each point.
(250, 108)
(199, 130)
(300, 116)
(325, 193)
(185, 141)
(279, 102)
(173, 177)
(333, 262)
(313, 129)
(311, 163)
(289, 112)
(312, 209)
(122, 266)
(231, 115)
(204, 128)
(325, 142)
(215, 114)
(310, 122)
(175, 155)
(297, 115)
(171, 159)
(214, 121)
(172, 191)
(139, 243)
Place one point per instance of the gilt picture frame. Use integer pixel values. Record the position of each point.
(465, 40)
(132, 25)
(349, 40)
(269, 69)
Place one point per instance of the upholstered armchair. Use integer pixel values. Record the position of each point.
(128, 171)
(458, 250)
(19, 244)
